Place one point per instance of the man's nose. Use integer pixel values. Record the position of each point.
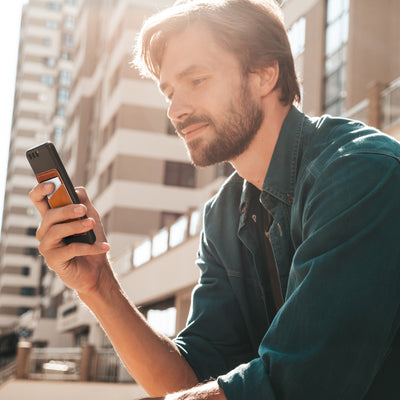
(180, 108)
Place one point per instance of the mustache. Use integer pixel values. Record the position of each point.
(193, 119)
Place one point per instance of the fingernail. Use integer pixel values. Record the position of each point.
(78, 210)
(104, 246)
(86, 222)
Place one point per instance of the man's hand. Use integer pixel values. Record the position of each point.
(154, 360)
(79, 265)
(208, 391)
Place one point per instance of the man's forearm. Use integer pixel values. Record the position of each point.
(152, 359)
(208, 391)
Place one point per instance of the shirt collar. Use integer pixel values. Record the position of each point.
(281, 175)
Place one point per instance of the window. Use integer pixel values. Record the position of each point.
(26, 271)
(82, 337)
(60, 112)
(69, 22)
(51, 24)
(31, 231)
(23, 310)
(50, 61)
(337, 31)
(161, 316)
(31, 251)
(47, 80)
(68, 40)
(47, 42)
(297, 37)
(63, 96)
(65, 55)
(179, 174)
(53, 6)
(170, 128)
(65, 78)
(106, 177)
(58, 132)
(224, 169)
(110, 129)
(28, 291)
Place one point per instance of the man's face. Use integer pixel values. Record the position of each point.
(211, 103)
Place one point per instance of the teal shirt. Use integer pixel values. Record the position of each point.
(333, 189)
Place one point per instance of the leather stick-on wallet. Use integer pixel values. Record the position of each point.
(59, 197)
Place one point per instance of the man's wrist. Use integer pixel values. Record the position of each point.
(207, 391)
(105, 287)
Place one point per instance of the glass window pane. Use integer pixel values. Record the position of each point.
(163, 321)
(345, 27)
(334, 37)
(335, 109)
(160, 242)
(335, 8)
(178, 231)
(336, 60)
(195, 222)
(142, 253)
(297, 37)
(334, 86)
(65, 78)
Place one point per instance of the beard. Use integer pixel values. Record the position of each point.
(233, 133)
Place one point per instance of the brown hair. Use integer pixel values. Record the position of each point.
(253, 30)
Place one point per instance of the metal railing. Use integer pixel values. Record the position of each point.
(105, 366)
(65, 364)
(7, 372)
(183, 228)
(55, 364)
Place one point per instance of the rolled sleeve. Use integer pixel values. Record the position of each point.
(215, 339)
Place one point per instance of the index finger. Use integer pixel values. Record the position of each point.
(38, 196)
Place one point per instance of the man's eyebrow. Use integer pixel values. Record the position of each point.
(183, 74)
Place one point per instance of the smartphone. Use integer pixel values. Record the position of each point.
(48, 167)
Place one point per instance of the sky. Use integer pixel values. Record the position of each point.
(10, 17)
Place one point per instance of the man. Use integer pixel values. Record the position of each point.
(300, 264)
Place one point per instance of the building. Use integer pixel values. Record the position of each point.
(345, 53)
(42, 91)
(115, 139)
(118, 142)
(341, 74)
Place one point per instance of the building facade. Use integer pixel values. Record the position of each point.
(113, 136)
(338, 75)
(42, 91)
(116, 141)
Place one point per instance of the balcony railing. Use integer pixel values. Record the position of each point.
(7, 371)
(165, 239)
(55, 364)
(69, 364)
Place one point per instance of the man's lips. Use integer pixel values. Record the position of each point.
(191, 130)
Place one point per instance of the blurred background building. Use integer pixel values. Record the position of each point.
(75, 86)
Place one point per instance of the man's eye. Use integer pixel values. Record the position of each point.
(197, 81)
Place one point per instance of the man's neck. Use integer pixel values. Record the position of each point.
(253, 164)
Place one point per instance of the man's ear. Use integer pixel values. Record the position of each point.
(268, 77)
